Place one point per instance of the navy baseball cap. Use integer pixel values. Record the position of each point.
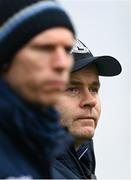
(106, 65)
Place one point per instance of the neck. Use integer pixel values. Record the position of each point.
(78, 143)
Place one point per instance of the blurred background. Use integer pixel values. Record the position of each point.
(105, 27)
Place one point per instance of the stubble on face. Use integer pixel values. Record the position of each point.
(80, 105)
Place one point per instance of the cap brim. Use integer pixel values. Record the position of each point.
(106, 65)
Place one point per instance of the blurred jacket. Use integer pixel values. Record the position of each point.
(30, 138)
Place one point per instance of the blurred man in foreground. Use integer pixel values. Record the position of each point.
(36, 37)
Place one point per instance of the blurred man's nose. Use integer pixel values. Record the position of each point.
(63, 60)
(88, 100)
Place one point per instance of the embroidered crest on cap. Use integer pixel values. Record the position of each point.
(79, 47)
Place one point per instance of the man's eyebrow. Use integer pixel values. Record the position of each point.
(51, 46)
(77, 82)
(40, 45)
(96, 83)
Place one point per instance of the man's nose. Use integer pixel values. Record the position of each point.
(88, 100)
(63, 60)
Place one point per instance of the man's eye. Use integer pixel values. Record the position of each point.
(68, 49)
(48, 47)
(94, 90)
(73, 90)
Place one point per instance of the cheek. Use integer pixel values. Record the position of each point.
(32, 64)
(66, 115)
(66, 112)
(98, 111)
(67, 122)
(37, 74)
(71, 62)
(99, 108)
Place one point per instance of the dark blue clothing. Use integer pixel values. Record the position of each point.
(76, 165)
(86, 155)
(30, 138)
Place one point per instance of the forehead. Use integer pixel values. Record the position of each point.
(88, 74)
(54, 35)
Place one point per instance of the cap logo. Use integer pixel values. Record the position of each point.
(79, 48)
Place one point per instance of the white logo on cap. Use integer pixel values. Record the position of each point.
(79, 48)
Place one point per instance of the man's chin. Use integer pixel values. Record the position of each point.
(85, 133)
(80, 139)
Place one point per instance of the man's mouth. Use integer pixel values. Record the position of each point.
(87, 121)
(86, 118)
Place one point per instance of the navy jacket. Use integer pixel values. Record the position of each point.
(30, 138)
(76, 165)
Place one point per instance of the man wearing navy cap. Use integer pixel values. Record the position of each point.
(80, 110)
